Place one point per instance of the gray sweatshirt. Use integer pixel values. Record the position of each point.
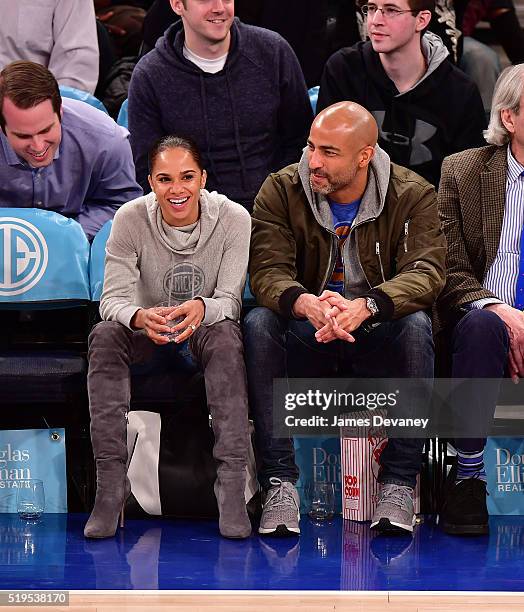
(148, 261)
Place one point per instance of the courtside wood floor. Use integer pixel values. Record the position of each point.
(334, 566)
(253, 602)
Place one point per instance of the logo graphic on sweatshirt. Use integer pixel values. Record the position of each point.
(183, 281)
(23, 256)
(424, 132)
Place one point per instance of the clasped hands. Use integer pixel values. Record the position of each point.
(332, 315)
(154, 320)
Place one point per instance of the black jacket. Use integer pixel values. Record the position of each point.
(442, 114)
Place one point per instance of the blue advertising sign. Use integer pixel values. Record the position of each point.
(318, 460)
(33, 454)
(504, 463)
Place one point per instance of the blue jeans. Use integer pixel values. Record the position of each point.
(277, 347)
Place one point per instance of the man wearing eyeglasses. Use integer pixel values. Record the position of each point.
(425, 107)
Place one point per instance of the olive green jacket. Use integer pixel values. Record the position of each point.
(399, 244)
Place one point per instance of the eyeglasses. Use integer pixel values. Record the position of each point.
(388, 12)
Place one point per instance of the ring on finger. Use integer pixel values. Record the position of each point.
(193, 327)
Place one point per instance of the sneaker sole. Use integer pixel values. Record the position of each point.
(280, 532)
(465, 529)
(385, 525)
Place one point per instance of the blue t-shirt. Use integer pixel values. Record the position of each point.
(343, 217)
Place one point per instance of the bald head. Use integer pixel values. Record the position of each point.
(351, 119)
(341, 145)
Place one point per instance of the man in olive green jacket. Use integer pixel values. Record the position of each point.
(346, 255)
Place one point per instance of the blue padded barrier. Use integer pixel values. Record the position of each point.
(122, 115)
(43, 258)
(313, 97)
(97, 261)
(83, 96)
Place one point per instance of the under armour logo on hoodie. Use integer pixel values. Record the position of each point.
(424, 132)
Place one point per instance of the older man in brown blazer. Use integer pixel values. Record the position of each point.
(481, 204)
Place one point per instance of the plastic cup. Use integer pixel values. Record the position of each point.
(30, 499)
(171, 322)
(321, 501)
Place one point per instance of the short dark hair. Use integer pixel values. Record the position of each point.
(415, 5)
(28, 84)
(422, 5)
(175, 142)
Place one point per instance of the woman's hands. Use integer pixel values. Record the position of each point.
(154, 321)
(193, 312)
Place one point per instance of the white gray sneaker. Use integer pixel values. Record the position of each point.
(280, 509)
(394, 511)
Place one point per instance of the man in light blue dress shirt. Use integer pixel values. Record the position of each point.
(481, 204)
(60, 155)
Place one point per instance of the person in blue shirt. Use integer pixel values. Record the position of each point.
(60, 155)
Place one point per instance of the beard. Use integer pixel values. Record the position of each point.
(333, 183)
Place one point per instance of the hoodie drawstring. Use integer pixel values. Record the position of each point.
(237, 132)
(206, 123)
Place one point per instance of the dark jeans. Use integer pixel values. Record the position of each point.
(396, 349)
(479, 349)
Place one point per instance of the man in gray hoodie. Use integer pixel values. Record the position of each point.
(425, 107)
(346, 254)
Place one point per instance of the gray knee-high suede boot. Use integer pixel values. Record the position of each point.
(110, 354)
(219, 350)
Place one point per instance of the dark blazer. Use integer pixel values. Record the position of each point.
(471, 201)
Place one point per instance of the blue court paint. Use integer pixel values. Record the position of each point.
(176, 554)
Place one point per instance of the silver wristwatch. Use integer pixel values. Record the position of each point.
(372, 306)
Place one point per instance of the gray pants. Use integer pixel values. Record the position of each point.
(218, 351)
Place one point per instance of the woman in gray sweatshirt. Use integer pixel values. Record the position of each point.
(186, 249)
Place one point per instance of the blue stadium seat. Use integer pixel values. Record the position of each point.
(43, 260)
(43, 279)
(313, 97)
(97, 261)
(83, 96)
(122, 115)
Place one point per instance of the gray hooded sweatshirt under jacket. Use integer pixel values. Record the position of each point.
(371, 205)
(149, 262)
